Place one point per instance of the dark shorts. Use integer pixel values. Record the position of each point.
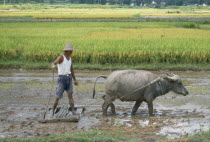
(64, 83)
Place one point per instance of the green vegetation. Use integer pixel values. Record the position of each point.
(42, 6)
(91, 136)
(101, 136)
(146, 66)
(85, 11)
(105, 43)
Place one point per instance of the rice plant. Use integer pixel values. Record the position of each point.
(105, 42)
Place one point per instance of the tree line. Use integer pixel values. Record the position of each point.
(119, 2)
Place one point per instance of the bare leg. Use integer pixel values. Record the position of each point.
(55, 105)
(150, 107)
(135, 107)
(71, 102)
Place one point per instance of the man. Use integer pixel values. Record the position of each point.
(65, 75)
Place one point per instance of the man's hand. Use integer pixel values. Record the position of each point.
(76, 82)
(53, 67)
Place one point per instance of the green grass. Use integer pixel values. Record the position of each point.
(46, 65)
(91, 136)
(100, 136)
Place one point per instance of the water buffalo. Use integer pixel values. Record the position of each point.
(139, 86)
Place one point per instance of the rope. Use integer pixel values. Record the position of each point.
(49, 96)
(157, 79)
(160, 87)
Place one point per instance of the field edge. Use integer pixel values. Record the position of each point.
(146, 66)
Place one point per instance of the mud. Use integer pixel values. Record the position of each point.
(24, 95)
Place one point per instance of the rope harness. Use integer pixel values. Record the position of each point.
(149, 84)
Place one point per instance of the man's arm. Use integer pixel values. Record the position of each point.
(59, 60)
(73, 76)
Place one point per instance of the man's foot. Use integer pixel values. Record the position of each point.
(52, 114)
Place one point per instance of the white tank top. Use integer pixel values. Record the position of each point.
(64, 67)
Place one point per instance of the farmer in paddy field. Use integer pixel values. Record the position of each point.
(65, 75)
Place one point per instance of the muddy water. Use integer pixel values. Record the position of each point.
(24, 94)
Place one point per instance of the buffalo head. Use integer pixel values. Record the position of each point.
(176, 84)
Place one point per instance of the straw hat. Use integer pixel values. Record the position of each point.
(69, 47)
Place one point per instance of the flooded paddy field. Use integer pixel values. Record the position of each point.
(24, 95)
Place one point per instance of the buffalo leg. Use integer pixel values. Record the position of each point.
(112, 108)
(104, 108)
(150, 107)
(110, 105)
(107, 101)
(135, 107)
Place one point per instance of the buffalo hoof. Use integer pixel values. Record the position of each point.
(113, 112)
(150, 115)
(104, 114)
(133, 114)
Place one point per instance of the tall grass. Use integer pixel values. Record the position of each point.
(105, 42)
